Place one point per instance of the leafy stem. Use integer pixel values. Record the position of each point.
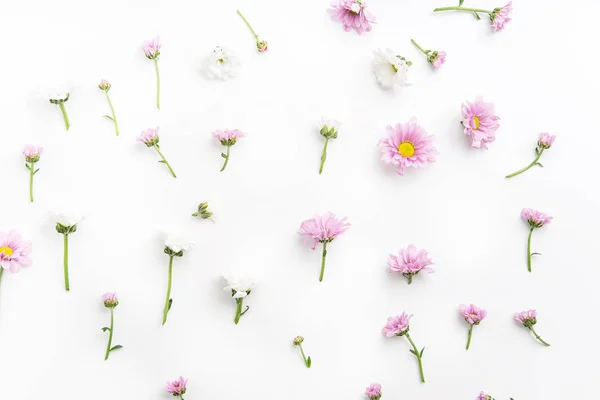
(238, 311)
(168, 297)
(112, 111)
(31, 172)
(110, 335)
(472, 10)
(529, 255)
(248, 24)
(307, 361)
(538, 336)
(164, 160)
(534, 162)
(226, 157)
(323, 261)
(426, 52)
(63, 110)
(418, 355)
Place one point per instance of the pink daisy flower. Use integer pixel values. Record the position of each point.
(14, 252)
(437, 59)
(397, 326)
(407, 145)
(227, 138)
(150, 138)
(373, 392)
(32, 153)
(528, 319)
(483, 396)
(410, 262)
(479, 122)
(473, 315)
(535, 218)
(353, 14)
(546, 140)
(501, 17)
(177, 387)
(151, 48)
(110, 300)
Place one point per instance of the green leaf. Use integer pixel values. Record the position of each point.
(28, 167)
(414, 352)
(460, 2)
(106, 328)
(537, 151)
(195, 215)
(422, 350)
(223, 155)
(35, 172)
(477, 16)
(161, 161)
(170, 304)
(540, 164)
(536, 254)
(109, 117)
(117, 347)
(308, 362)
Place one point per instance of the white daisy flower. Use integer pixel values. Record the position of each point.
(240, 281)
(329, 124)
(177, 243)
(390, 69)
(67, 220)
(221, 64)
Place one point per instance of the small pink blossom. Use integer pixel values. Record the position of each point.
(177, 387)
(480, 122)
(32, 153)
(409, 262)
(324, 228)
(151, 48)
(110, 300)
(438, 59)
(546, 140)
(149, 137)
(353, 14)
(407, 145)
(501, 17)
(483, 396)
(373, 392)
(473, 314)
(397, 326)
(14, 251)
(535, 219)
(526, 317)
(228, 137)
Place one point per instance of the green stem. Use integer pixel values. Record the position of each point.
(527, 167)
(238, 311)
(248, 24)
(303, 356)
(226, 159)
(469, 339)
(110, 335)
(416, 353)
(66, 259)
(323, 261)
(157, 83)
(323, 156)
(164, 160)
(474, 10)
(529, 249)
(112, 110)
(538, 337)
(168, 298)
(419, 47)
(63, 110)
(31, 165)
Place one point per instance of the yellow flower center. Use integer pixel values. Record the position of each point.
(7, 251)
(220, 60)
(406, 149)
(477, 123)
(394, 67)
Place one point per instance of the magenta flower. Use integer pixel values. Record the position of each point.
(373, 391)
(399, 326)
(177, 387)
(227, 138)
(544, 142)
(499, 16)
(353, 14)
(150, 138)
(32, 155)
(483, 396)
(407, 145)
(480, 122)
(151, 50)
(535, 219)
(323, 229)
(110, 300)
(435, 58)
(14, 252)
(528, 319)
(473, 315)
(410, 262)
(261, 45)
(105, 87)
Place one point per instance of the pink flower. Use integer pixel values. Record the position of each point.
(409, 262)
(479, 122)
(397, 326)
(535, 219)
(526, 317)
(14, 251)
(353, 14)
(546, 140)
(228, 137)
(110, 300)
(501, 17)
(149, 137)
(483, 396)
(373, 392)
(323, 229)
(437, 59)
(473, 314)
(32, 153)
(407, 145)
(151, 48)
(177, 388)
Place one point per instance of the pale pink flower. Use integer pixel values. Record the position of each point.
(373, 392)
(546, 140)
(110, 300)
(353, 14)
(526, 317)
(14, 251)
(32, 153)
(410, 262)
(407, 145)
(151, 48)
(437, 59)
(480, 122)
(535, 218)
(323, 229)
(473, 314)
(177, 387)
(397, 326)
(483, 396)
(149, 137)
(228, 137)
(501, 16)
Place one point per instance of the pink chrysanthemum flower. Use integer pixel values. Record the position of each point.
(410, 262)
(32, 153)
(14, 252)
(480, 122)
(473, 314)
(437, 59)
(353, 14)
(227, 138)
(110, 300)
(177, 387)
(546, 140)
(535, 218)
(397, 326)
(373, 391)
(501, 17)
(528, 319)
(483, 396)
(149, 137)
(151, 48)
(407, 145)
(323, 229)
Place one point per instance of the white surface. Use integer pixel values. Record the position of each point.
(541, 74)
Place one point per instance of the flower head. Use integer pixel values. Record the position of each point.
(66, 223)
(149, 137)
(373, 391)
(473, 314)
(329, 128)
(228, 137)
(323, 228)
(56, 96)
(397, 326)
(262, 45)
(483, 396)
(437, 59)
(110, 300)
(535, 219)
(410, 261)
(32, 153)
(390, 69)
(298, 340)
(546, 140)
(239, 282)
(407, 145)
(353, 14)
(104, 85)
(479, 122)
(177, 387)
(221, 64)
(14, 251)
(501, 17)
(203, 212)
(151, 48)
(176, 245)
(526, 318)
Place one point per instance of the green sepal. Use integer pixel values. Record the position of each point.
(106, 328)
(109, 117)
(117, 347)
(28, 167)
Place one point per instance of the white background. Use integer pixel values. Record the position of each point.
(541, 72)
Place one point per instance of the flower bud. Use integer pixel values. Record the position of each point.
(104, 85)
(110, 300)
(262, 46)
(298, 340)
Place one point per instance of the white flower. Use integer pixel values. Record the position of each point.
(329, 123)
(57, 94)
(221, 63)
(66, 219)
(240, 281)
(390, 69)
(177, 243)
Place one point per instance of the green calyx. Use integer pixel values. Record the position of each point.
(329, 132)
(65, 230)
(171, 253)
(203, 211)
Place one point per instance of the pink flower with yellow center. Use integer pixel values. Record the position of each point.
(353, 14)
(528, 319)
(177, 387)
(14, 252)
(479, 122)
(473, 315)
